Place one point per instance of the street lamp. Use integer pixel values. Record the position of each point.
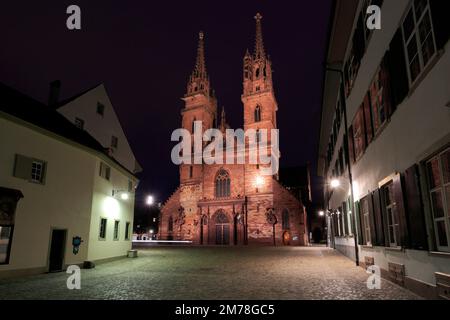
(149, 201)
(335, 183)
(321, 213)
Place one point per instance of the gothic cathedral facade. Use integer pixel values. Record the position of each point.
(232, 204)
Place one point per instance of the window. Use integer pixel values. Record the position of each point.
(348, 211)
(418, 38)
(130, 186)
(365, 221)
(116, 230)
(127, 231)
(223, 183)
(79, 123)
(114, 142)
(257, 114)
(285, 220)
(391, 214)
(379, 111)
(30, 169)
(105, 171)
(359, 138)
(5, 243)
(37, 171)
(191, 172)
(438, 170)
(170, 224)
(100, 109)
(102, 233)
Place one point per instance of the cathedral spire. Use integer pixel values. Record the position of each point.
(200, 65)
(223, 121)
(259, 44)
(199, 80)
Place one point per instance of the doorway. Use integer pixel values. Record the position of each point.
(222, 228)
(57, 246)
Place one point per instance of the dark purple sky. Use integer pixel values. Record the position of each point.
(144, 52)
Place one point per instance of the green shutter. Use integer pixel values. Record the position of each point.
(22, 167)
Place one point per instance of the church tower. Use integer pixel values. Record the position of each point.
(200, 105)
(260, 105)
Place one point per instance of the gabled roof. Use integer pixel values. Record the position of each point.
(23, 107)
(68, 100)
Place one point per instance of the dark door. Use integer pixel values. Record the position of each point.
(222, 234)
(57, 250)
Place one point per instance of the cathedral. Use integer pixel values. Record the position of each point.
(232, 204)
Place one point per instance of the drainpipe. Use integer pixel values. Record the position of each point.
(347, 153)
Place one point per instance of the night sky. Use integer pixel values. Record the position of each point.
(144, 52)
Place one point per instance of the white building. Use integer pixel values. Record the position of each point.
(57, 183)
(396, 140)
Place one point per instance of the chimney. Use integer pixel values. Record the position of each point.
(53, 97)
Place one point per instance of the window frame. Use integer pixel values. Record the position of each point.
(392, 214)
(41, 176)
(102, 230)
(222, 184)
(257, 114)
(365, 222)
(116, 230)
(444, 198)
(127, 230)
(114, 142)
(415, 34)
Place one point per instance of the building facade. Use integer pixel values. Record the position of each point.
(61, 196)
(232, 204)
(384, 146)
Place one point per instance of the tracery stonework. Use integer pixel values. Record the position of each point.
(224, 204)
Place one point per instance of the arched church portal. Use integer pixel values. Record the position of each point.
(222, 228)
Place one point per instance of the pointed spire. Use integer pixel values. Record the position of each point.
(223, 121)
(259, 45)
(200, 65)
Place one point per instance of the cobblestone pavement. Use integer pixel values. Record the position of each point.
(213, 273)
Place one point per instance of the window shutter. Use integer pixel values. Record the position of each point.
(351, 146)
(358, 224)
(414, 209)
(378, 215)
(441, 22)
(399, 202)
(22, 167)
(368, 118)
(386, 83)
(396, 63)
(373, 233)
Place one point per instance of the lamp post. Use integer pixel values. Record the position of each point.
(347, 154)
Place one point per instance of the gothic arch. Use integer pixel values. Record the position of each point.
(257, 113)
(222, 183)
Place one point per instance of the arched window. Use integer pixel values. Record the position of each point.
(223, 183)
(170, 224)
(221, 218)
(285, 219)
(258, 114)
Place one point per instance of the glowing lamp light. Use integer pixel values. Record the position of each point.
(321, 213)
(149, 201)
(259, 181)
(124, 196)
(111, 207)
(335, 183)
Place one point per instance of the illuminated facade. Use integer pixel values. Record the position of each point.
(232, 204)
(59, 188)
(396, 142)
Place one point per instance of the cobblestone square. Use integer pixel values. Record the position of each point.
(213, 273)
